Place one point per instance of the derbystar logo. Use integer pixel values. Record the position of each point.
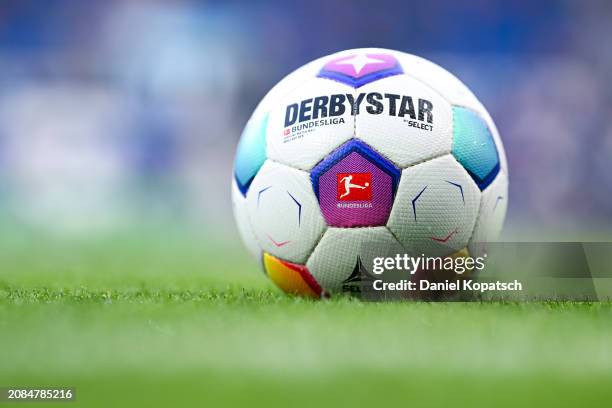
(334, 106)
(354, 186)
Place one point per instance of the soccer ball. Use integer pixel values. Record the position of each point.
(363, 153)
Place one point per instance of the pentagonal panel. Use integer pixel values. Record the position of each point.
(239, 207)
(291, 278)
(491, 215)
(284, 212)
(493, 129)
(359, 67)
(309, 122)
(404, 119)
(355, 186)
(343, 256)
(474, 147)
(251, 152)
(435, 208)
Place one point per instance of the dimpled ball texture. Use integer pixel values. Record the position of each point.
(362, 154)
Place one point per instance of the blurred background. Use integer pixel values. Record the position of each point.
(123, 113)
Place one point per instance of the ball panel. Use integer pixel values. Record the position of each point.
(361, 67)
(435, 207)
(355, 186)
(284, 212)
(413, 122)
(291, 278)
(251, 152)
(243, 223)
(503, 162)
(491, 216)
(309, 122)
(446, 84)
(474, 147)
(452, 89)
(342, 251)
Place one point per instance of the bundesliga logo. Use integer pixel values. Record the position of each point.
(354, 186)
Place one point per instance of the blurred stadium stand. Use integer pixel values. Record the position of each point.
(117, 112)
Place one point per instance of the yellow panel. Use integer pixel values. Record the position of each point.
(291, 278)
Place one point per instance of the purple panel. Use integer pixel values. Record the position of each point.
(360, 69)
(368, 208)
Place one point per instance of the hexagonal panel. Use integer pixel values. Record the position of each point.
(474, 147)
(435, 208)
(343, 253)
(355, 186)
(284, 212)
(445, 83)
(491, 215)
(309, 122)
(452, 89)
(404, 119)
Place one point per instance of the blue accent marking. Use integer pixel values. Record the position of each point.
(299, 208)
(259, 194)
(365, 151)
(415, 200)
(361, 81)
(474, 147)
(251, 152)
(460, 188)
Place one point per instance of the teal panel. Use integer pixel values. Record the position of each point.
(251, 153)
(474, 147)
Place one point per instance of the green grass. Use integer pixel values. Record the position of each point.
(167, 319)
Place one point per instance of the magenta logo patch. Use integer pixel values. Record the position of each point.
(365, 206)
(359, 69)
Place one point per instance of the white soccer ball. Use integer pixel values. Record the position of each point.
(363, 153)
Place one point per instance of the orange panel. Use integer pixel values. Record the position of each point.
(291, 278)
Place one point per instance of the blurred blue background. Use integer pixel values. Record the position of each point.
(118, 112)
